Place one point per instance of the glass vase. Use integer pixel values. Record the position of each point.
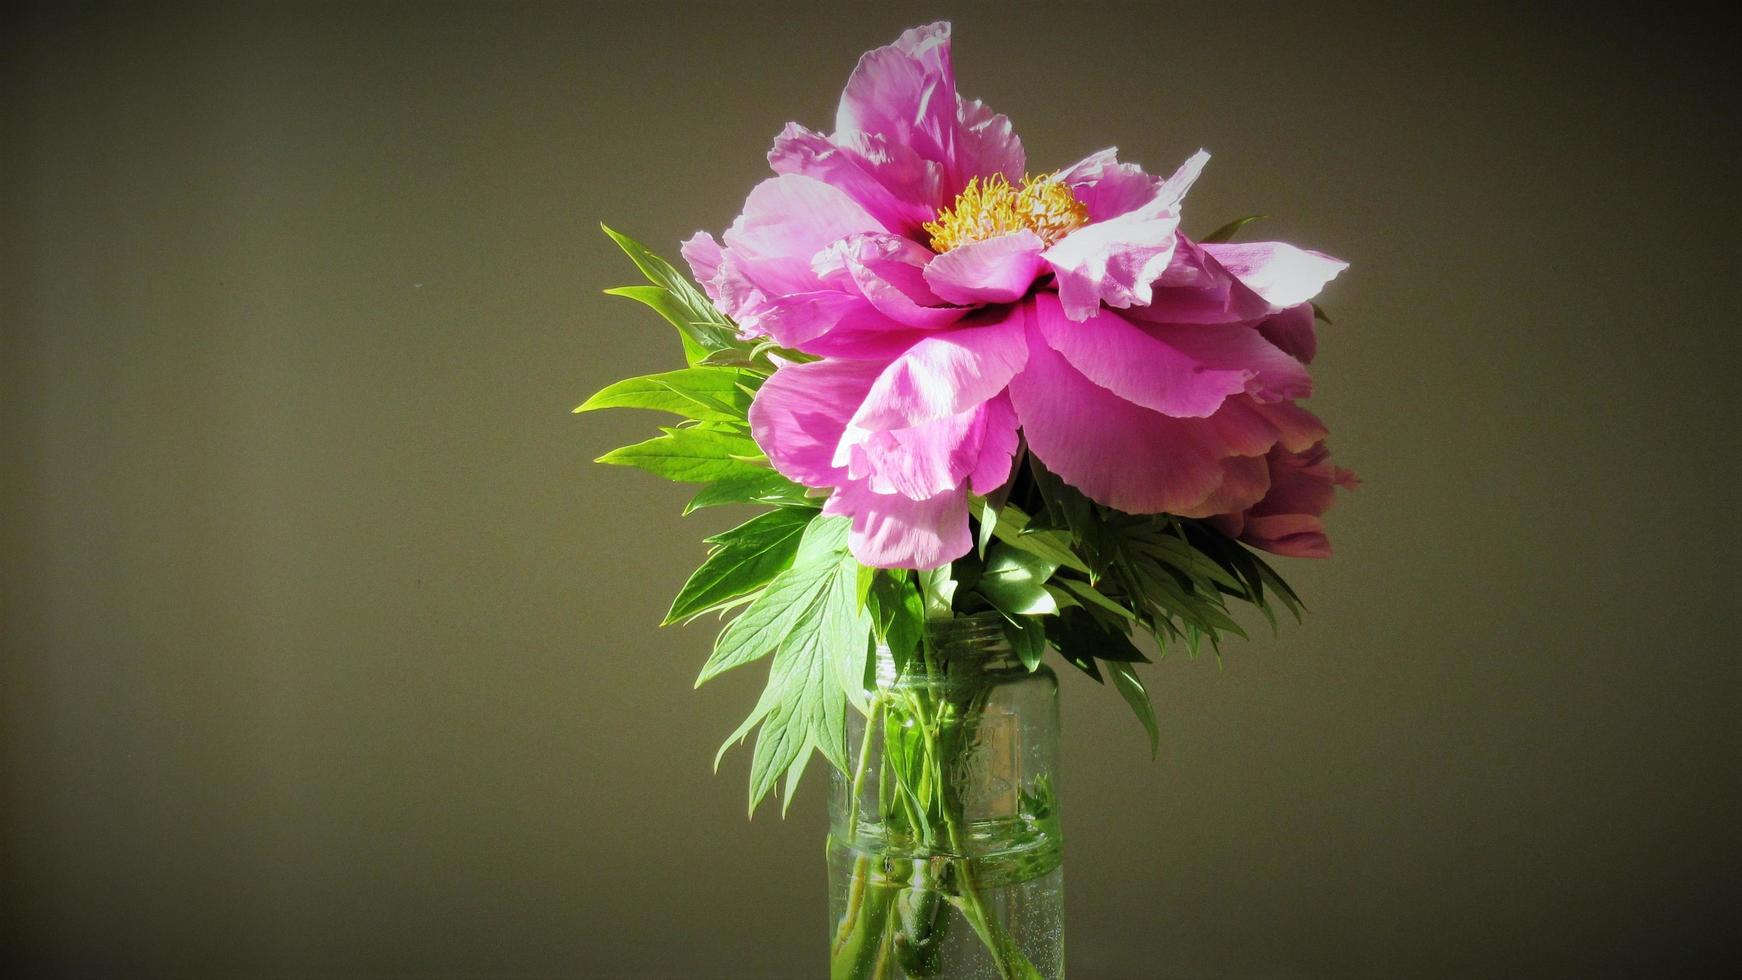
(944, 851)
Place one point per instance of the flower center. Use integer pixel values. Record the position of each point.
(990, 207)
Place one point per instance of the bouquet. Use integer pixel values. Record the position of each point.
(968, 394)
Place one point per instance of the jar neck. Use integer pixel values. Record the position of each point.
(961, 649)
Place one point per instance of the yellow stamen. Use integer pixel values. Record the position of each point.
(990, 207)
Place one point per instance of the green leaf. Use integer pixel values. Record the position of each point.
(1066, 506)
(754, 486)
(1190, 561)
(937, 587)
(1028, 639)
(1279, 587)
(1161, 589)
(707, 394)
(901, 614)
(1015, 580)
(810, 619)
(1126, 682)
(661, 301)
(1090, 594)
(1080, 635)
(744, 559)
(700, 324)
(988, 524)
(792, 598)
(1320, 314)
(1013, 529)
(690, 455)
(1227, 232)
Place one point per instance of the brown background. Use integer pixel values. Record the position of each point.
(328, 652)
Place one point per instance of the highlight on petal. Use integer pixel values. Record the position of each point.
(892, 531)
(904, 96)
(1113, 262)
(1173, 190)
(896, 195)
(905, 91)
(920, 461)
(997, 270)
(1283, 274)
(946, 373)
(1185, 372)
(1107, 187)
(793, 216)
(1195, 288)
(703, 254)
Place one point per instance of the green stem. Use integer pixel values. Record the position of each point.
(873, 712)
(870, 938)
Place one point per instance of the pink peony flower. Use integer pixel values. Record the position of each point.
(1286, 521)
(961, 308)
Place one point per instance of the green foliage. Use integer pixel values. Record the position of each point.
(810, 619)
(1126, 682)
(702, 393)
(1014, 581)
(1227, 232)
(741, 561)
(703, 329)
(1061, 570)
(692, 455)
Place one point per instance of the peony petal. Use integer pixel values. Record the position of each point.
(986, 144)
(976, 446)
(796, 319)
(795, 217)
(997, 270)
(1121, 454)
(866, 334)
(997, 448)
(905, 92)
(919, 461)
(920, 184)
(889, 271)
(1281, 273)
(945, 374)
(892, 531)
(1185, 372)
(1173, 190)
(1293, 330)
(1245, 479)
(1289, 535)
(1113, 262)
(801, 411)
(1107, 187)
(901, 105)
(898, 204)
(1298, 428)
(703, 254)
(1287, 520)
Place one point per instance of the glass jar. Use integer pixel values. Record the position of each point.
(944, 847)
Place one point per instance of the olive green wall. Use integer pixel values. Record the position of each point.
(328, 652)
